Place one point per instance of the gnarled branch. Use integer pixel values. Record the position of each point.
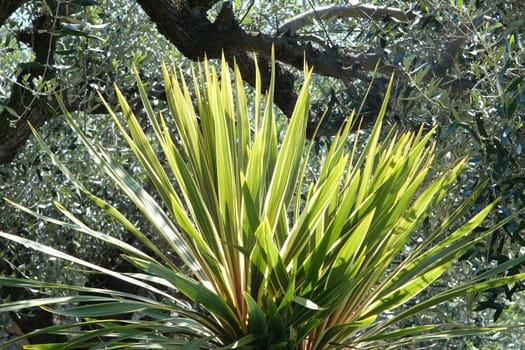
(355, 10)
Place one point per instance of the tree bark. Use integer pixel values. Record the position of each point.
(28, 102)
(190, 30)
(8, 7)
(186, 25)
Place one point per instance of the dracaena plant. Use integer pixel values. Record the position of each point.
(268, 257)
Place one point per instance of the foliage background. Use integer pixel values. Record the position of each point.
(487, 123)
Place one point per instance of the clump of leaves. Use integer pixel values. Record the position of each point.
(272, 259)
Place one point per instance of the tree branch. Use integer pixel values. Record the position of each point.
(8, 7)
(185, 23)
(355, 10)
(285, 96)
(197, 37)
(338, 63)
(30, 106)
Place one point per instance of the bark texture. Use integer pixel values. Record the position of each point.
(8, 7)
(28, 102)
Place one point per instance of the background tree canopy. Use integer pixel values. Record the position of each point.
(458, 65)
